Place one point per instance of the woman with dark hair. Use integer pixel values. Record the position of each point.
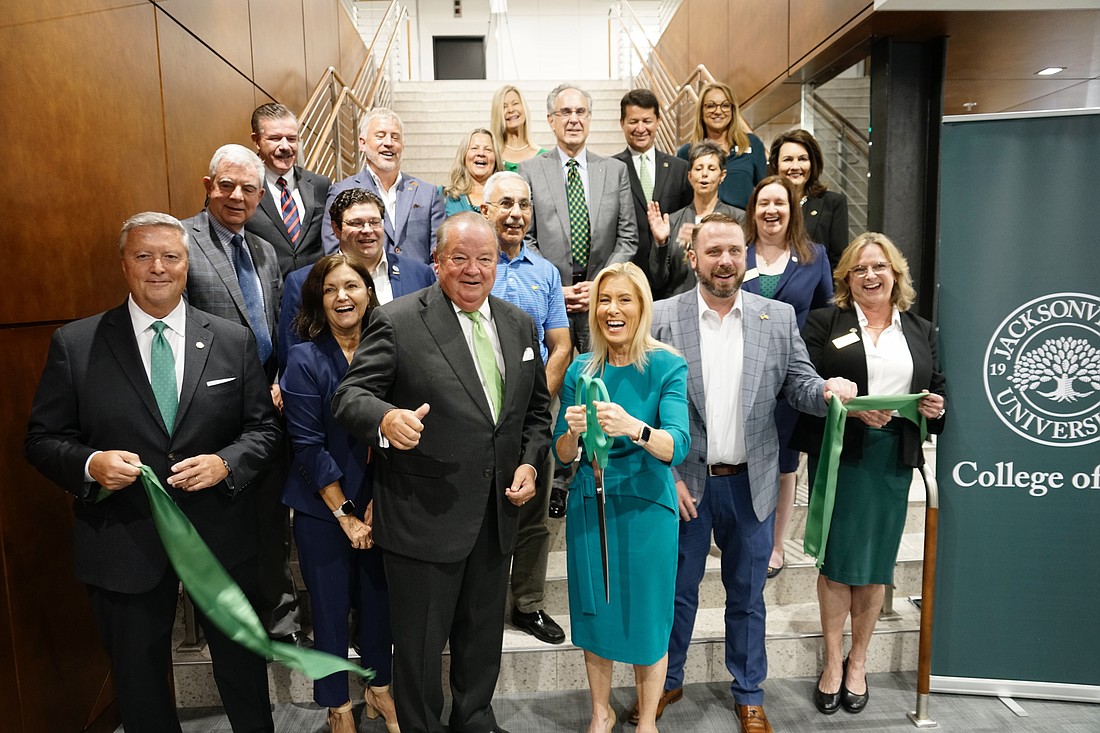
(718, 118)
(870, 337)
(783, 264)
(644, 415)
(796, 156)
(329, 488)
(508, 118)
(672, 233)
(476, 159)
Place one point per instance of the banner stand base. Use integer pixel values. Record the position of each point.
(1016, 688)
(919, 717)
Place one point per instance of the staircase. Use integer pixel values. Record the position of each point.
(438, 114)
(841, 127)
(793, 639)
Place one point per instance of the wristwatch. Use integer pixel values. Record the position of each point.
(643, 436)
(344, 510)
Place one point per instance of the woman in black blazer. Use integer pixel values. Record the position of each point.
(870, 338)
(796, 156)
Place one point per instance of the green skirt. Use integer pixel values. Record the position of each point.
(872, 498)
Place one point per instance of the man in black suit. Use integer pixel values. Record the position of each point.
(448, 385)
(665, 175)
(293, 205)
(234, 274)
(198, 414)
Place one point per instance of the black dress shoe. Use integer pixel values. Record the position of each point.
(539, 625)
(558, 497)
(850, 701)
(826, 703)
(297, 638)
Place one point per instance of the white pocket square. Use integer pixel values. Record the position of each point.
(216, 382)
(528, 355)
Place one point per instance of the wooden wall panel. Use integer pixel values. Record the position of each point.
(321, 23)
(49, 611)
(752, 61)
(83, 138)
(674, 47)
(709, 37)
(223, 25)
(278, 50)
(18, 13)
(206, 105)
(812, 22)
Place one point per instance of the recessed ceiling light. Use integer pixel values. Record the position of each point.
(1050, 71)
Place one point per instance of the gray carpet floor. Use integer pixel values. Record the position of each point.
(708, 708)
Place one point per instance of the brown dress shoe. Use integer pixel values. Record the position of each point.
(753, 719)
(667, 698)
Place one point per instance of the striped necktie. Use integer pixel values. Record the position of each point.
(289, 211)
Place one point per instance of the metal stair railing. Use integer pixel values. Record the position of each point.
(329, 123)
(850, 158)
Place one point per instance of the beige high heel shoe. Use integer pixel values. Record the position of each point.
(341, 719)
(379, 701)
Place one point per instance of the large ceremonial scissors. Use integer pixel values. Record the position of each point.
(598, 446)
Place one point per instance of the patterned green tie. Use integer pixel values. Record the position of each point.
(580, 237)
(162, 376)
(645, 177)
(487, 360)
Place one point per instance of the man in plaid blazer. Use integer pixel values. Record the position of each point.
(742, 350)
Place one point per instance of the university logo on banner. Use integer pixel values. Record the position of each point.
(1042, 370)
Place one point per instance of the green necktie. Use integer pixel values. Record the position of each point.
(580, 237)
(646, 177)
(162, 376)
(487, 359)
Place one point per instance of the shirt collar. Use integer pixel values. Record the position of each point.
(523, 254)
(895, 316)
(225, 234)
(176, 320)
(378, 181)
(704, 308)
(271, 178)
(581, 158)
(486, 314)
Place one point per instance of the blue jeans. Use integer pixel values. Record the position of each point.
(746, 545)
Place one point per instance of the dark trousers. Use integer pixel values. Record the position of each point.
(277, 598)
(339, 577)
(136, 629)
(532, 549)
(461, 602)
(746, 545)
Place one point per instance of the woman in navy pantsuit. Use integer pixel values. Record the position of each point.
(329, 488)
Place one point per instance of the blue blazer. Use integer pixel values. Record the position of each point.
(804, 286)
(406, 276)
(323, 450)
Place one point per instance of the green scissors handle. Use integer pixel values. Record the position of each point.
(596, 442)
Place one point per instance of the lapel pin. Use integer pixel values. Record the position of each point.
(763, 316)
(395, 270)
(200, 345)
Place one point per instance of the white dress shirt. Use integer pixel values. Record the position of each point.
(380, 275)
(889, 362)
(389, 198)
(582, 169)
(491, 329)
(270, 183)
(721, 349)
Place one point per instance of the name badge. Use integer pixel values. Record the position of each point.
(751, 274)
(846, 340)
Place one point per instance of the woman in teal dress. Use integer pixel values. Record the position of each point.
(476, 159)
(647, 419)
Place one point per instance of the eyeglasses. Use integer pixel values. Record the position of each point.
(359, 224)
(484, 262)
(507, 204)
(566, 113)
(879, 268)
(711, 106)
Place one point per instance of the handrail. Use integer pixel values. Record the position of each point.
(330, 119)
(856, 135)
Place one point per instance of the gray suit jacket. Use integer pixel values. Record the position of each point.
(430, 502)
(212, 282)
(267, 222)
(610, 215)
(775, 359)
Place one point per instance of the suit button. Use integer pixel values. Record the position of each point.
(172, 457)
(397, 250)
(487, 473)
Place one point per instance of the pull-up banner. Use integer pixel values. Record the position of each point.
(1017, 608)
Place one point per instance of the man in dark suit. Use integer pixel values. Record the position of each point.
(449, 387)
(156, 381)
(292, 208)
(742, 350)
(414, 208)
(356, 216)
(654, 176)
(582, 217)
(234, 274)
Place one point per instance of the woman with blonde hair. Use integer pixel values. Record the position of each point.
(645, 416)
(718, 118)
(477, 158)
(508, 120)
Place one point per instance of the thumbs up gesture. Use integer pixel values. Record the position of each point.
(403, 427)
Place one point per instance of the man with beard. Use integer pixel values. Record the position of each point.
(413, 208)
(742, 350)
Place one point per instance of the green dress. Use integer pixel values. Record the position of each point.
(514, 167)
(642, 518)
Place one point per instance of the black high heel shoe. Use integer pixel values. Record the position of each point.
(850, 701)
(826, 703)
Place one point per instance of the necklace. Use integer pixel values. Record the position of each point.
(879, 328)
(521, 147)
(777, 258)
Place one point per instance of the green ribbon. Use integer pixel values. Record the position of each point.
(823, 497)
(220, 599)
(596, 442)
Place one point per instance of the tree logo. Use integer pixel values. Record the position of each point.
(1042, 370)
